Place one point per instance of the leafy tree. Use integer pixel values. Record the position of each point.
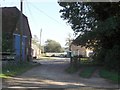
(98, 26)
(35, 41)
(68, 43)
(52, 46)
(68, 40)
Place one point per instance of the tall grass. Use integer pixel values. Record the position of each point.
(87, 72)
(110, 75)
(15, 69)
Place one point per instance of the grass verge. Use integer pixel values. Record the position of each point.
(87, 72)
(4, 76)
(15, 69)
(110, 75)
(71, 69)
(47, 58)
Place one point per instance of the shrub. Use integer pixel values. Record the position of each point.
(112, 59)
(99, 56)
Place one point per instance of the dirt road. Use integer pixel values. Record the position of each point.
(51, 74)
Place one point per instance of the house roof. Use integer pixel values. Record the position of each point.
(11, 19)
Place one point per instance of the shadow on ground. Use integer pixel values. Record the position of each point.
(51, 76)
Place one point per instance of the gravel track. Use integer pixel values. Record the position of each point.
(51, 74)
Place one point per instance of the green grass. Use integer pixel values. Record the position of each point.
(87, 61)
(83, 59)
(71, 70)
(13, 70)
(47, 58)
(110, 75)
(4, 76)
(87, 72)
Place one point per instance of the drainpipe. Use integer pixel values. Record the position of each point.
(21, 28)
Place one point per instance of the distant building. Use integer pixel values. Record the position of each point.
(11, 30)
(36, 51)
(78, 50)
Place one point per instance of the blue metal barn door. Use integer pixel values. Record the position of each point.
(17, 46)
(23, 48)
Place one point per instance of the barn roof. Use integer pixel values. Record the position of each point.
(11, 18)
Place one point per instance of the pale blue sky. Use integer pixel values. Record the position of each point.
(44, 15)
